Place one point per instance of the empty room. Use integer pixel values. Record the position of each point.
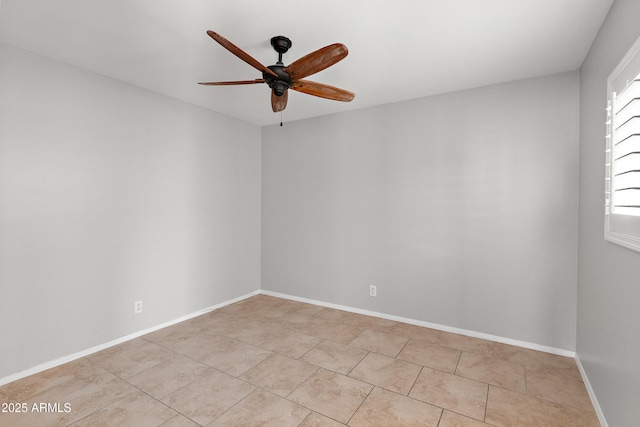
(356, 213)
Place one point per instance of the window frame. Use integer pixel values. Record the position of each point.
(622, 229)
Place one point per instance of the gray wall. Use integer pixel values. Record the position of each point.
(111, 194)
(608, 340)
(461, 208)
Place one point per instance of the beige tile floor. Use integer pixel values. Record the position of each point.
(267, 361)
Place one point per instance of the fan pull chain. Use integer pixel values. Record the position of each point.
(280, 118)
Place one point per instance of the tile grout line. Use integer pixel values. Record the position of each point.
(361, 403)
(348, 374)
(486, 404)
(458, 364)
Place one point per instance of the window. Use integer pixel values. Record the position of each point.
(622, 180)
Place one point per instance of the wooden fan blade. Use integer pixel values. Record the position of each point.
(240, 53)
(316, 61)
(279, 103)
(322, 90)
(239, 82)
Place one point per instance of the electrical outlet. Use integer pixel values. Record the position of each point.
(372, 290)
(137, 308)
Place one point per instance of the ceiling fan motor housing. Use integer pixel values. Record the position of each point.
(279, 84)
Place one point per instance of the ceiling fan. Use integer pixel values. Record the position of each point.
(280, 78)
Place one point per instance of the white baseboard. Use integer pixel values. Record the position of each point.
(65, 359)
(592, 394)
(503, 340)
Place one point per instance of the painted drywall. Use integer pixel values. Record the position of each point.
(460, 208)
(608, 335)
(111, 194)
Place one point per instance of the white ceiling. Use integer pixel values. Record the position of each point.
(398, 50)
